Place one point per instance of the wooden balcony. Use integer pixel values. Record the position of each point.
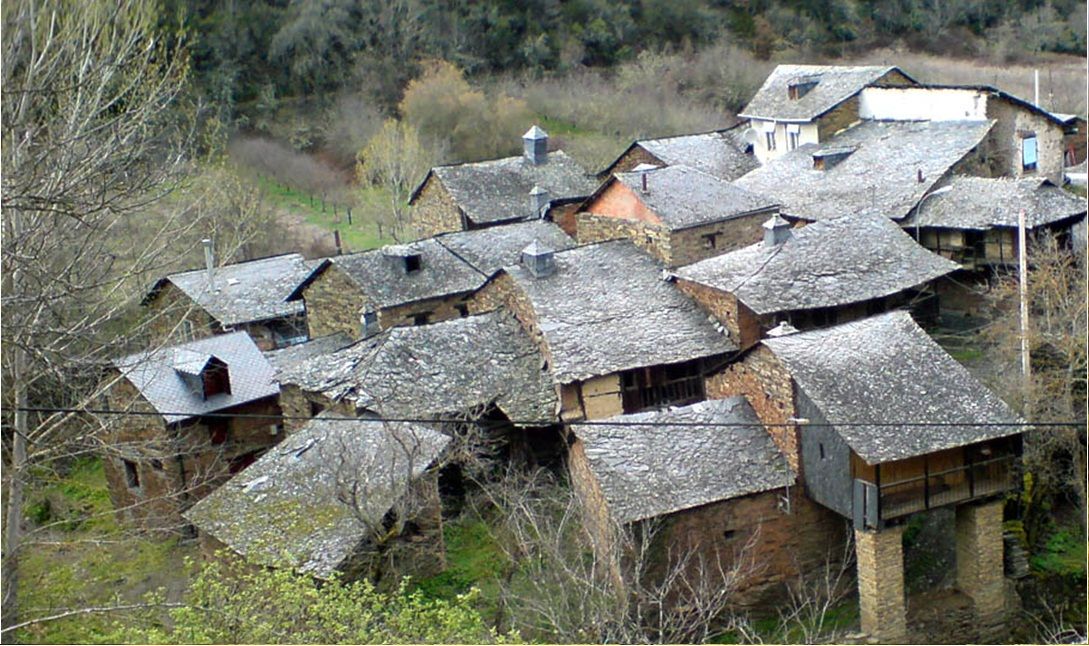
(875, 504)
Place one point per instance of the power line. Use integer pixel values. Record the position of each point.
(456, 420)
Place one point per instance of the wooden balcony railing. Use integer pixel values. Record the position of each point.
(875, 503)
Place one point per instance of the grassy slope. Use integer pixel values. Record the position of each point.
(86, 559)
(361, 235)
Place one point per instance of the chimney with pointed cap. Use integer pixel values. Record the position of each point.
(539, 259)
(209, 262)
(538, 200)
(776, 231)
(535, 146)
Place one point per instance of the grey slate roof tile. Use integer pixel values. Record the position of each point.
(490, 249)
(887, 369)
(442, 368)
(881, 176)
(981, 203)
(835, 84)
(284, 358)
(155, 374)
(649, 471)
(289, 507)
(255, 290)
(498, 190)
(719, 153)
(685, 197)
(607, 309)
(825, 264)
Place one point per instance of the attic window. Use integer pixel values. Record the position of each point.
(800, 88)
(422, 318)
(412, 263)
(1029, 156)
(709, 240)
(217, 430)
(132, 475)
(215, 378)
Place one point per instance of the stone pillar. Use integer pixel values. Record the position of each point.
(880, 559)
(979, 564)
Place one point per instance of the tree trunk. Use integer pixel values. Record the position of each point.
(14, 512)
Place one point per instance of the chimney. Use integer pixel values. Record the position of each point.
(404, 258)
(643, 169)
(209, 262)
(535, 146)
(919, 175)
(539, 260)
(776, 231)
(538, 200)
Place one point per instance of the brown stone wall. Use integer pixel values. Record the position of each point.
(768, 386)
(744, 327)
(1006, 140)
(629, 160)
(443, 308)
(595, 510)
(300, 405)
(690, 245)
(880, 562)
(837, 118)
(176, 465)
(653, 239)
(773, 538)
(169, 308)
(980, 565)
(563, 216)
(333, 304)
(434, 211)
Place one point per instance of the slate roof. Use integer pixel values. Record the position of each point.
(284, 358)
(490, 249)
(498, 190)
(835, 84)
(684, 197)
(255, 290)
(649, 471)
(887, 369)
(983, 203)
(442, 368)
(156, 374)
(825, 264)
(606, 309)
(720, 153)
(380, 274)
(289, 507)
(880, 176)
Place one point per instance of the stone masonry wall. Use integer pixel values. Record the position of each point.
(651, 238)
(837, 119)
(980, 573)
(768, 386)
(629, 160)
(169, 308)
(435, 211)
(1012, 120)
(690, 245)
(438, 309)
(333, 304)
(299, 406)
(774, 538)
(744, 327)
(880, 562)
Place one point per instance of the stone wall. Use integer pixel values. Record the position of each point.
(1006, 139)
(434, 210)
(169, 308)
(651, 238)
(300, 405)
(980, 571)
(744, 328)
(443, 308)
(631, 158)
(176, 465)
(773, 538)
(691, 245)
(880, 563)
(333, 304)
(837, 118)
(596, 517)
(768, 386)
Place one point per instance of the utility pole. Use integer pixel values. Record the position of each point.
(1022, 270)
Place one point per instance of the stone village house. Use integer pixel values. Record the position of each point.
(820, 391)
(677, 214)
(354, 496)
(460, 197)
(807, 104)
(205, 410)
(614, 336)
(715, 492)
(721, 153)
(826, 272)
(250, 296)
(421, 282)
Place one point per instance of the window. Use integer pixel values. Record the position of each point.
(412, 263)
(792, 140)
(769, 138)
(656, 386)
(1028, 152)
(217, 430)
(156, 464)
(729, 534)
(463, 310)
(215, 378)
(709, 240)
(421, 319)
(132, 474)
(820, 446)
(187, 330)
(369, 323)
(275, 429)
(316, 408)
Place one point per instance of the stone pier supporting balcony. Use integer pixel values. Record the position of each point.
(979, 564)
(880, 559)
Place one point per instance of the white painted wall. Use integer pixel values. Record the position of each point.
(807, 134)
(935, 104)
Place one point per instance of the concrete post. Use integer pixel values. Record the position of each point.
(880, 559)
(979, 564)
